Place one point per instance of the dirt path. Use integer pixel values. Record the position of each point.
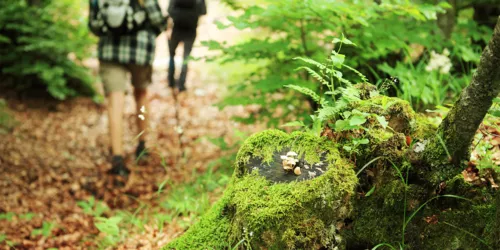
(58, 154)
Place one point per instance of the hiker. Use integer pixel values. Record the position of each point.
(185, 14)
(127, 30)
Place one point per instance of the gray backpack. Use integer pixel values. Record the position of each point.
(116, 17)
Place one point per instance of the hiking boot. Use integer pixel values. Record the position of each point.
(118, 167)
(141, 151)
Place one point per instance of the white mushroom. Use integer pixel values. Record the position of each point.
(296, 171)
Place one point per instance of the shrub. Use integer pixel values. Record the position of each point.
(44, 45)
(386, 35)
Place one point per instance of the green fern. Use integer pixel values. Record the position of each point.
(363, 77)
(312, 62)
(307, 92)
(314, 74)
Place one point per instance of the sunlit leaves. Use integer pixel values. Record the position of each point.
(382, 121)
(108, 225)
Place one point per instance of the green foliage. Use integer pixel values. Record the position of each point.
(44, 45)
(384, 47)
(46, 229)
(192, 199)
(7, 123)
(110, 227)
(3, 238)
(93, 207)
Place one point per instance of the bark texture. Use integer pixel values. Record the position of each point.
(458, 128)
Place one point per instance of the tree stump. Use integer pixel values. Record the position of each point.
(267, 207)
(380, 193)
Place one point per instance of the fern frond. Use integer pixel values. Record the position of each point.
(311, 61)
(345, 81)
(363, 77)
(328, 112)
(315, 75)
(307, 92)
(338, 75)
(350, 93)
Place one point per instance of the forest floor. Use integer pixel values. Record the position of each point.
(54, 162)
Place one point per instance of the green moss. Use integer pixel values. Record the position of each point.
(397, 112)
(423, 128)
(379, 218)
(267, 142)
(311, 214)
(467, 228)
(295, 215)
(445, 223)
(210, 232)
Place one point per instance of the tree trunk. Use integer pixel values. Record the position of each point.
(458, 128)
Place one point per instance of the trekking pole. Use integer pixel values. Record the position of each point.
(178, 128)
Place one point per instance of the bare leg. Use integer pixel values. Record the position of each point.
(115, 115)
(141, 100)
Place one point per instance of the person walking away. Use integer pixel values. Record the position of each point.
(127, 30)
(185, 14)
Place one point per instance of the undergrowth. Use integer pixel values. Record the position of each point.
(43, 46)
(287, 29)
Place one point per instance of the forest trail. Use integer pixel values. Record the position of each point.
(58, 153)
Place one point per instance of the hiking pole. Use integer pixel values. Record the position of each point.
(178, 128)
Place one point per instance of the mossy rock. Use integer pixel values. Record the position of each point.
(262, 213)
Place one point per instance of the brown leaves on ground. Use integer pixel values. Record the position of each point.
(56, 157)
(480, 169)
(58, 154)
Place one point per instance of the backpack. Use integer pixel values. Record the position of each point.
(185, 13)
(185, 4)
(116, 17)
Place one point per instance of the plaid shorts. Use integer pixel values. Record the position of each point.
(114, 76)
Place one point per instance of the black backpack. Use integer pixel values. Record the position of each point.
(116, 17)
(185, 13)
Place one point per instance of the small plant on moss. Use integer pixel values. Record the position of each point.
(335, 103)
